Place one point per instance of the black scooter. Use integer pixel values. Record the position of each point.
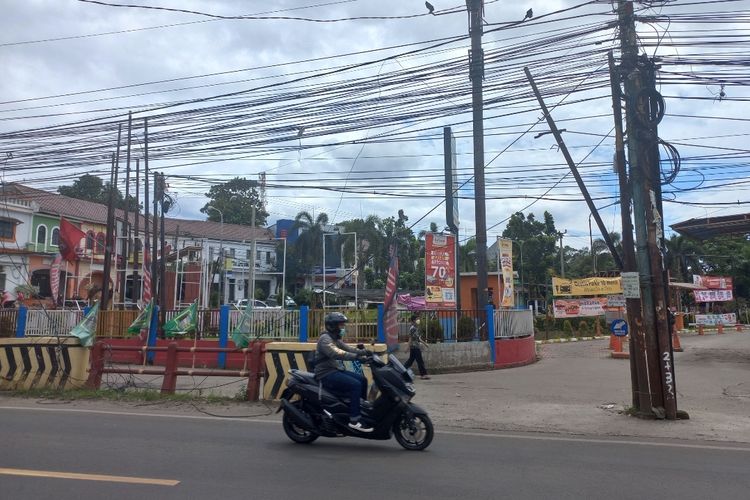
(311, 411)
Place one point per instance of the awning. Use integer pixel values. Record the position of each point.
(710, 227)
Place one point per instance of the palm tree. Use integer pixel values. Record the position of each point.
(309, 244)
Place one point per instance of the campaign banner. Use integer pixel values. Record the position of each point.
(713, 295)
(505, 256)
(440, 270)
(586, 286)
(716, 319)
(576, 308)
(713, 282)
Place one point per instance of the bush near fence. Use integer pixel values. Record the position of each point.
(550, 328)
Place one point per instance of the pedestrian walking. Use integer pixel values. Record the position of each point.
(415, 348)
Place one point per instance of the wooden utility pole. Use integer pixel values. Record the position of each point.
(641, 119)
(136, 238)
(638, 370)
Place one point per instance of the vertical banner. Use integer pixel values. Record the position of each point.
(505, 254)
(389, 301)
(440, 271)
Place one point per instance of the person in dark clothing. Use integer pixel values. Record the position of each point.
(329, 368)
(415, 348)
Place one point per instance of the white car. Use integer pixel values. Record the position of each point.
(289, 302)
(257, 304)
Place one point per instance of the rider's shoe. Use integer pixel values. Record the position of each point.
(359, 426)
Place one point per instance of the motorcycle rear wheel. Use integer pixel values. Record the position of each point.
(295, 432)
(414, 432)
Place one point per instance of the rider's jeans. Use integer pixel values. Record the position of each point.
(349, 385)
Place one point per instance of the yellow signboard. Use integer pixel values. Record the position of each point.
(586, 286)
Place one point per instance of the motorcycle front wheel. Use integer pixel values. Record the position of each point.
(295, 432)
(414, 432)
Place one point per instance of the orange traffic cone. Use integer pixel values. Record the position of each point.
(739, 327)
(676, 346)
(719, 328)
(617, 352)
(700, 330)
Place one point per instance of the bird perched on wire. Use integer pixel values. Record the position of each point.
(430, 7)
(529, 14)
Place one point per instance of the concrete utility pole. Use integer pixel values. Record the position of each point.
(476, 74)
(643, 112)
(111, 226)
(123, 265)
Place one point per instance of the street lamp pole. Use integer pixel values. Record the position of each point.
(221, 254)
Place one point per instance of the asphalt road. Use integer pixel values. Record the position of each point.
(208, 457)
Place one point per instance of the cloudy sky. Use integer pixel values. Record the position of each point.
(344, 109)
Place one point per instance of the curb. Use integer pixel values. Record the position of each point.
(571, 339)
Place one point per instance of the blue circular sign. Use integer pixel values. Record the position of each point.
(619, 327)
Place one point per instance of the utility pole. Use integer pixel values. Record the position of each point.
(111, 229)
(476, 74)
(562, 252)
(136, 240)
(641, 393)
(252, 264)
(642, 116)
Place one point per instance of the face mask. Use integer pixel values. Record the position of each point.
(342, 331)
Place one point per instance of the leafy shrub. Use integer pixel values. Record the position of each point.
(430, 329)
(583, 329)
(466, 328)
(568, 328)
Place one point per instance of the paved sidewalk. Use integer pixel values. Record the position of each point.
(576, 388)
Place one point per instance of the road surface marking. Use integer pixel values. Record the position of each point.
(87, 477)
(496, 434)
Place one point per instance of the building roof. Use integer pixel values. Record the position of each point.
(703, 229)
(89, 211)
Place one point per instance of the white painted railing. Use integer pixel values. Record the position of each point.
(44, 323)
(268, 323)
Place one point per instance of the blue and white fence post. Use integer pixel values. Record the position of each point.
(223, 334)
(381, 323)
(304, 319)
(152, 331)
(490, 310)
(21, 321)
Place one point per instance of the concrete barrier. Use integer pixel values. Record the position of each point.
(284, 356)
(451, 356)
(514, 352)
(42, 362)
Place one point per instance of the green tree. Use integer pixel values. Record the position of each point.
(540, 252)
(235, 199)
(92, 188)
(308, 249)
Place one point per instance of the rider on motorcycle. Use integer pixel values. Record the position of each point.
(330, 372)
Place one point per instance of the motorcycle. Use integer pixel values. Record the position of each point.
(310, 411)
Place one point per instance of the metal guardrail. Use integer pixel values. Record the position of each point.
(43, 322)
(512, 323)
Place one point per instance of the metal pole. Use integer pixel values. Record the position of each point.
(323, 286)
(356, 276)
(283, 278)
(591, 247)
(562, 253)
(476, 74)
(253, 250)
(138, 289)
(126, 224)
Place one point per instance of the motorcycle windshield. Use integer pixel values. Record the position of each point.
(400, 368)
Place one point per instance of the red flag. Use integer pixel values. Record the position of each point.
(70, 238)
(391, 286)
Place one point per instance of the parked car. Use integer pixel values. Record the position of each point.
(274, 302)
(257, 304)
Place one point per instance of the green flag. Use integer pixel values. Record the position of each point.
(143, 321)
(184, 322)
(86, 329)
(241, 333)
